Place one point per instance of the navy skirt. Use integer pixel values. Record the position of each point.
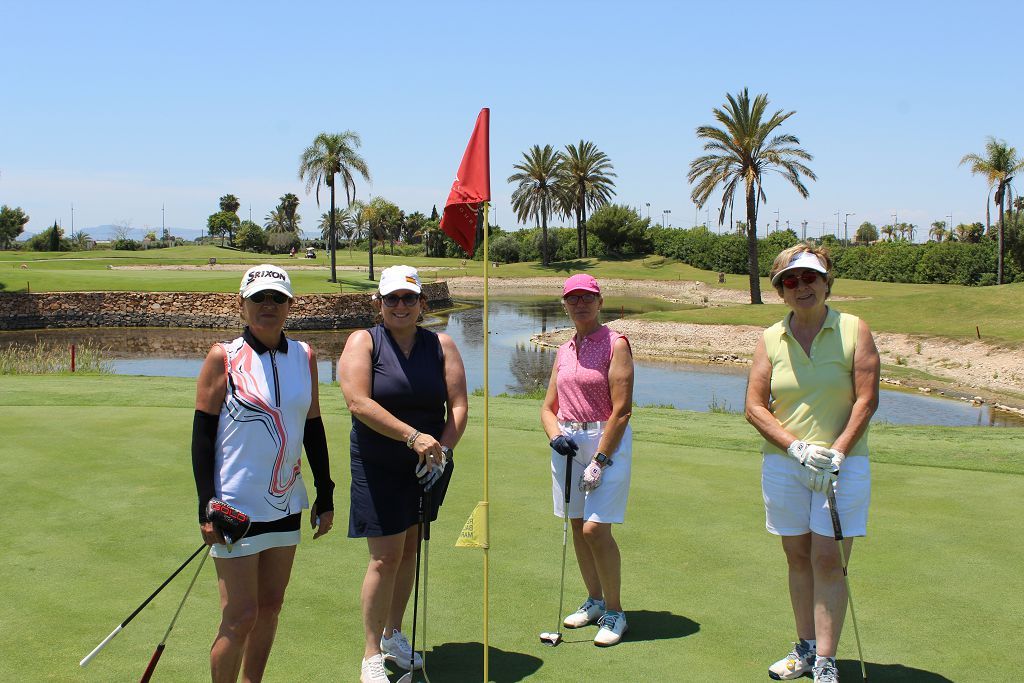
(386, 501)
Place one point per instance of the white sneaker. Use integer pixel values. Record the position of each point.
(397, 649)
(373, 671)
(588, 613)
(794, 665)
(613, 625)
(825, 670)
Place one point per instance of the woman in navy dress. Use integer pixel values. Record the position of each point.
(406, 390)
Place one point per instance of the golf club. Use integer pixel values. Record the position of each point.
(838, 529)
(426, 582)
(88, 658)
(407, 677)
(555, 637)
(163, 641)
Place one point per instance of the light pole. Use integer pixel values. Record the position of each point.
(838, 213)
(846, 228)
(72, 220)
(663, 215)
(950, 217)
(895, 221)
(803, 231)
(648, 211)
(776, 220)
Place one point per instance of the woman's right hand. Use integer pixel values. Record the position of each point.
(428, 451)
(210, 535)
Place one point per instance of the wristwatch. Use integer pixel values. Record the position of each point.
(602, 460)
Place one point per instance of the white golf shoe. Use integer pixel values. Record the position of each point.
(397, 649)
(373, 671)
(794, 665)
(589, 612)
(613, 625)
(825, 670)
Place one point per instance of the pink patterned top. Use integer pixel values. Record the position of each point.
(582, 381)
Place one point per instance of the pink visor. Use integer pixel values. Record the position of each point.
(581, 282)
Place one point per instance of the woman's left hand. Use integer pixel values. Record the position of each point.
(322, 522)
(428, 451)
(591, 478)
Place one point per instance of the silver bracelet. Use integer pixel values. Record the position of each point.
(412, 438)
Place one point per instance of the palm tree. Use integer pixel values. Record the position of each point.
(537, 192)
(998, 165)
(889, 231)
(938, 231)
(229, 203)
(276, 221)
(740, 151)
(585, 174)
(333, 154)
(342, 221)
(290, 206)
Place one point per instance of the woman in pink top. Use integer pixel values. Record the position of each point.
(586, 416)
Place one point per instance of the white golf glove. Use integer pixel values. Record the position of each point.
(591, 478)
(837, 460)
(810, 456)
(820, 481)
(428, 478)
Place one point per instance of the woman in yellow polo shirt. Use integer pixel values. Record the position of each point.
(812, 390)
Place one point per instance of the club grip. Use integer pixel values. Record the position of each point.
(152, 663)
(89, 657)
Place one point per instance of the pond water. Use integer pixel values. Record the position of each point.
(516, 365)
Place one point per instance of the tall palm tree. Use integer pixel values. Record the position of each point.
(276, 221)
(333, 154)
(938, 231)
(740, 151)
(586, 177)
(290, 206)
(888, 231)
(997, 165)
(229, 203)
(537, 190)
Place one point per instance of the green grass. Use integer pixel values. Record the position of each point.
(102, 509)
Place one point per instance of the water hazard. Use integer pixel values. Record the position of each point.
(516, 364)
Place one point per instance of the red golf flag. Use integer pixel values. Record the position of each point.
(472, 186)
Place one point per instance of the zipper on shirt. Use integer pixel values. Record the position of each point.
(277, 384)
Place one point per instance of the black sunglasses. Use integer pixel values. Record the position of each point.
(808, 277)
(391, 300)
(276, 297)
(573, 299)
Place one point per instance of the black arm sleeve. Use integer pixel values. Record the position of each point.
(314, 438)
(204, 435)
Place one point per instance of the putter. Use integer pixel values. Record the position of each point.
(163, 641)
(838, 529)
(555, 637)
(426, 582)
(407, 676)
(89, 657)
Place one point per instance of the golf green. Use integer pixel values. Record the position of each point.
(102, 510)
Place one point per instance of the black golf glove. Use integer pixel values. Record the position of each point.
(564, 445)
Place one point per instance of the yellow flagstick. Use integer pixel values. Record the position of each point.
(487, 395)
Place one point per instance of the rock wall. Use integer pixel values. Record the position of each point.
(25, 311)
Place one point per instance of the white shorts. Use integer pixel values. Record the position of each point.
(792, 509)
(606, 503)
(250, 545)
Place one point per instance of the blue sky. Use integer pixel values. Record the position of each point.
(120, 108)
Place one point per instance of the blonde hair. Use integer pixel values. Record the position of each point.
(787, 255)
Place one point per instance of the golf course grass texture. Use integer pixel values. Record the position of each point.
(103, 509)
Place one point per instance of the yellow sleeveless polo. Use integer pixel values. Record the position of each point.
(812, 397)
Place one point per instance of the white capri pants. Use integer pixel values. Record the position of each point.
(606, 503)
(792, 509)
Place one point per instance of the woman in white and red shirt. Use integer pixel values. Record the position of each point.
(586, 416)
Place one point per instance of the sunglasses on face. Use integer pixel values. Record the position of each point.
(277, 297)
(391, 300)
(573, 299)
(808, 277)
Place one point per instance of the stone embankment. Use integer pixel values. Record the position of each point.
(24, 311)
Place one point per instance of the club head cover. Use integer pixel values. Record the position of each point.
(231, 522)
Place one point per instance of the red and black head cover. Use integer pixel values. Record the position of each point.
(231, 522)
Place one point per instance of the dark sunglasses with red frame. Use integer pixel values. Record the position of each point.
(808, 277)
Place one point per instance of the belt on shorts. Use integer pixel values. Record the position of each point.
(581, 426)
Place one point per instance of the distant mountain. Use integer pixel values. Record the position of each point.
(109, 232)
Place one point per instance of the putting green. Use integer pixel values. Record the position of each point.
(102, 503)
